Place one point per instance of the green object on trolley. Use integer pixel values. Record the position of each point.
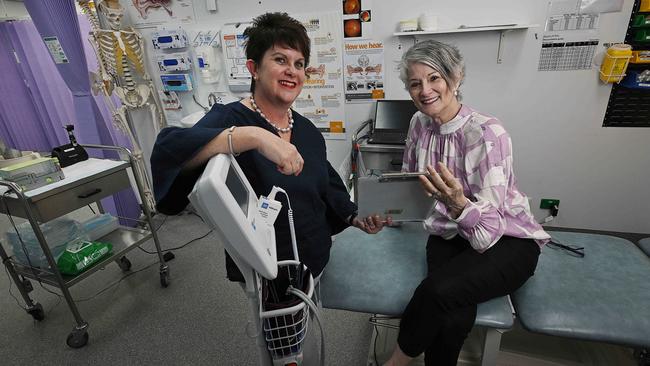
(81, 255)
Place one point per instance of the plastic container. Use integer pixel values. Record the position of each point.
(408, 25)
(641, 20)
(642, 35)
(98, 226)
(615, 63)
(637, 80)
(645, 5)
(640, 57)
(428, 22)
(58, 233)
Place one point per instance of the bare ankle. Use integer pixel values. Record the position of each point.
(398, 358)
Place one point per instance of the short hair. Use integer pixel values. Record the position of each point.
(271, 29)
(444, 58)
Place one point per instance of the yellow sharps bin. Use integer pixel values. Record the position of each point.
(615, 63)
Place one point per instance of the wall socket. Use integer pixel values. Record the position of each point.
(548, 203)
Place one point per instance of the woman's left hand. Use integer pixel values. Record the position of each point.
(371, 224)
(445, 188)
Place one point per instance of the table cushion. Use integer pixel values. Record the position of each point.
(378, 273)
(644, 244)
(604, 296)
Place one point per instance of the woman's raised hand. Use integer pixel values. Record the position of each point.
(445, 188)
(371, 224)
(282, 153)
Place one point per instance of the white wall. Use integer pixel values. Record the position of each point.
(601, 175)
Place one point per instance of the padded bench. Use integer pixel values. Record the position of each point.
(378, 274)
(603, 297)
(644, 244)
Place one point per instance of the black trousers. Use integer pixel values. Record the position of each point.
(442, 310)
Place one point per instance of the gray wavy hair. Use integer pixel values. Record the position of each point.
(444, 58)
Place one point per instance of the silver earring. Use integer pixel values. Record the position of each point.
(456, 93)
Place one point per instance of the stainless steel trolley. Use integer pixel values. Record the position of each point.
(100, 178)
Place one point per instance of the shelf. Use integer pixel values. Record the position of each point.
(461, 29)
(501, 28)
(123, 240)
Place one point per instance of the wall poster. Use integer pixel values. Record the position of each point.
(233, 44)
(570, 37)
(357, 19)
(321, 99)
(147, 13)
(364, 69)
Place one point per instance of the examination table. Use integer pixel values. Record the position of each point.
(644, 244)
(603, 297)
(378, 273)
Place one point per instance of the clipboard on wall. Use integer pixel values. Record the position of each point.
(399, 195)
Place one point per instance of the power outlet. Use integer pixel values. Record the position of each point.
(548, 203)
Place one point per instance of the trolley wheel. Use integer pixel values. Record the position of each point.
(77, 339)
(125, 264)
(37, 312)
(164, 278)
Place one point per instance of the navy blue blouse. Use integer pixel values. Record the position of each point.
(319, 199)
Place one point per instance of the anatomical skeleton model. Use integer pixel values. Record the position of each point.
(119, 56)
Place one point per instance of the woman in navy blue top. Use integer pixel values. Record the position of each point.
(274, 145)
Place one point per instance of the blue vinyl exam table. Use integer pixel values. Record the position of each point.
(378, 273)
(604, 296)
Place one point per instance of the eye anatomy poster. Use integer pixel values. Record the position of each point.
(357, 19)
(364, 69)
(321, 99)
(147, 13)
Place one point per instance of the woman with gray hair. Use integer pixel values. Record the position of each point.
(484, 241)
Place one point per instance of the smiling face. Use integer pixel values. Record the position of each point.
(279, 76)
(431, 93)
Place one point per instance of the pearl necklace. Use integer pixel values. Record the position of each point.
(279, 129)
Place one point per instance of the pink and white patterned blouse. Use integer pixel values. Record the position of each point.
(478, 151)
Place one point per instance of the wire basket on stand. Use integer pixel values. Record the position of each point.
(284, 316)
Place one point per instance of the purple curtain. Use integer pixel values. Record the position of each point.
(35, 101)
(58, 18)
(71, 90)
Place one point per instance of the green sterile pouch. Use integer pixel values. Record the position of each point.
(81, 255)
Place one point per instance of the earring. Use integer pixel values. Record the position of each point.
(456, 92)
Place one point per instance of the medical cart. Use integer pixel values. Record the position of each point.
(85, 183)
(372, 159)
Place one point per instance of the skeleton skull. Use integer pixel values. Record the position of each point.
(112, 12)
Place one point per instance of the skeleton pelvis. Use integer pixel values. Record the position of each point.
(100, 84)
(133, 98)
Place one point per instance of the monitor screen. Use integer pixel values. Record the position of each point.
(238, 190)
(394, 114)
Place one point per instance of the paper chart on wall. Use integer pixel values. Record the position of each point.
(570, 37)
(364, 70)
(233, 44)
(147, 13)
(321, 99)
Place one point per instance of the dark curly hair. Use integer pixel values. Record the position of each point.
(271, 29)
